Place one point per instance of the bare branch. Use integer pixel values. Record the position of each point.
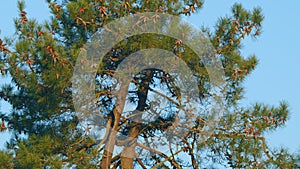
(140, 161)
(167, 158)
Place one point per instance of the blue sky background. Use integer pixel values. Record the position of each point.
(276, 77)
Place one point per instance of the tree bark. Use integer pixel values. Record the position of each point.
(106, 160)
(128, 153)
(111, 141)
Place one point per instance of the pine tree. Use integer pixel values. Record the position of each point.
(40, 59)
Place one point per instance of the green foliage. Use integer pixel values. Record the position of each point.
(6, 160)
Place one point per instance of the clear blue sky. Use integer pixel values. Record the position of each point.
(277, 75)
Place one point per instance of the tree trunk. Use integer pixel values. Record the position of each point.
(108, 152)
(106, 160)
(111, 141)
(128, 152)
